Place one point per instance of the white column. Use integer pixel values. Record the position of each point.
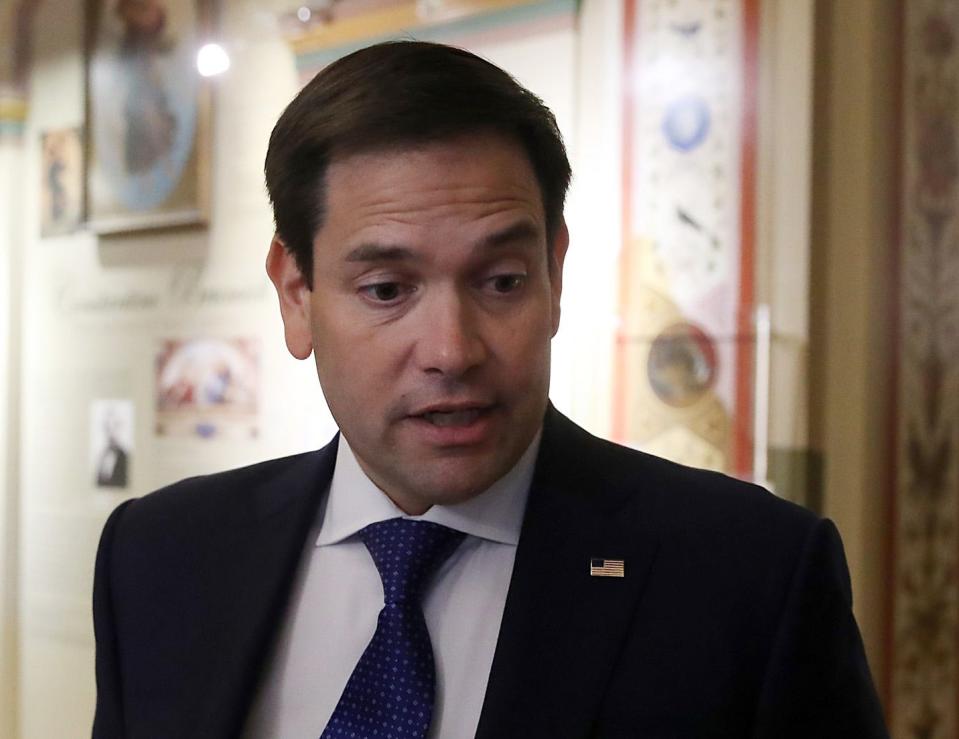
(10, 207)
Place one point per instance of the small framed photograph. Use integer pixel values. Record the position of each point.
(147, 115)
(61, 183)
(208, 388)
(111, 442)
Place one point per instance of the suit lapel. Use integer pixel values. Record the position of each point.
(253, 593)
(562, 629)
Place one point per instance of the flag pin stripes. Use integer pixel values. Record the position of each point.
(599, 567)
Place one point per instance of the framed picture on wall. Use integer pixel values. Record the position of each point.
(111, 442)
(147, 115)
(208, 387)
(61, 182)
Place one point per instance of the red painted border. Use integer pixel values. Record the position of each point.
(743, 437)
(621, 398)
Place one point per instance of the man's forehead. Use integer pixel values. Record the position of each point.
(460, 139)
(455, 150)
(491, 172)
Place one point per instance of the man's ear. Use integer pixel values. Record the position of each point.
(294, 295)
(557, 256)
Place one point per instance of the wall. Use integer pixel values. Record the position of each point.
(10, 196)
(583, 351)
(93, 311)
(12, 113)
(783, 248)
(854, 202)
(96, 309)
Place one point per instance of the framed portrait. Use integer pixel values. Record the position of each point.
(111, 442)
(208, 387)
(61, 182)
(148, 115)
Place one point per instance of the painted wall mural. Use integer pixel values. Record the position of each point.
(16, 19)
(318, 39)
(925, 633)
(684, 351)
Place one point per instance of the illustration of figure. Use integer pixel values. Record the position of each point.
(217, 384)
(56, 167)
(112, 466)
(149, 120)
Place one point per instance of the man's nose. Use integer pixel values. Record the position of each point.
(451, 341)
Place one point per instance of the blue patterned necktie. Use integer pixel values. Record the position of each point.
(390, 693)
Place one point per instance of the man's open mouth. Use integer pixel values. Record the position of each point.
(452, 418)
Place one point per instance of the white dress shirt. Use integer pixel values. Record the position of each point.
(338, 595)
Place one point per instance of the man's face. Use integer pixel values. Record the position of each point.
(431, 314)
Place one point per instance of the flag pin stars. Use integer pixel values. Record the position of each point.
(599, 567)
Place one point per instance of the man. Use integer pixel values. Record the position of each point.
(113, 460)
(461, 560)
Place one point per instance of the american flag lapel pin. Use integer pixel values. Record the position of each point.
(599, 567)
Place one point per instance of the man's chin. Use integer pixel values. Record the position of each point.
(445, 486)
(426, 497)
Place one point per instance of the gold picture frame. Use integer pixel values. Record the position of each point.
(148, 115)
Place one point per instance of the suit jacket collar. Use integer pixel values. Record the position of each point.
(563, 629)
(267, 540)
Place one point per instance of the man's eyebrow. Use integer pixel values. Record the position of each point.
(524, 231)
(380, 253)
(518, 233)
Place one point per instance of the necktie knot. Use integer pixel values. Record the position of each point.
(407, 553)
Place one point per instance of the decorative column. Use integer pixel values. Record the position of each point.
(925, 634)
(15, 22)
(16, 19)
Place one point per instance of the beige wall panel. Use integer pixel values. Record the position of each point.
(52, 681)
(95, 311)
(10, 200)
(852, 236)
(584, 348)
(783, 208)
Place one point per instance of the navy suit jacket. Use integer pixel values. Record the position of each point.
(733, 619)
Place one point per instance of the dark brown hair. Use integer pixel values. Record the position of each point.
(395, 94)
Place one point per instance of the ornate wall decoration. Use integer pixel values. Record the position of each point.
(318, 39)
(148, 118)
(925, 633)
(683, 383)
(16, 20)
(61, 181)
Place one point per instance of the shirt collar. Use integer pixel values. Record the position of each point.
(495, 514)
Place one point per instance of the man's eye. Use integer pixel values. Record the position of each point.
(383, 292)
(507, 283)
